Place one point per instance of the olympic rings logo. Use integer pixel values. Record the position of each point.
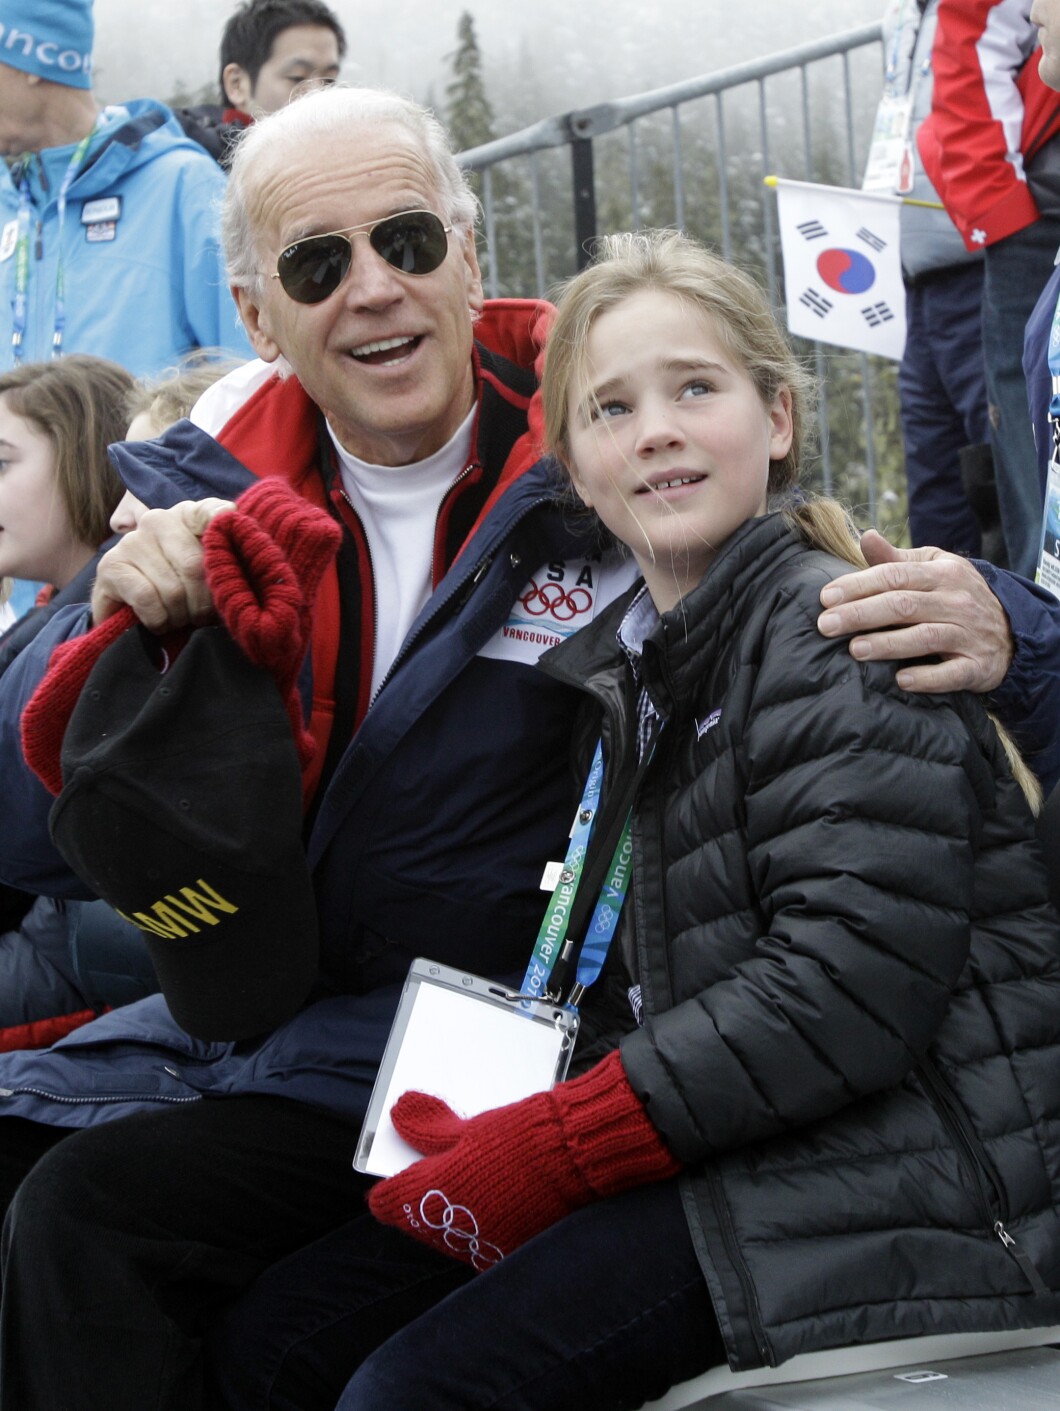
(458, 1228)
(553, 598)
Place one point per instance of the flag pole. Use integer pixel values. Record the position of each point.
(871, 195)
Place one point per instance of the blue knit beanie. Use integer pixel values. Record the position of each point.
(51, 38)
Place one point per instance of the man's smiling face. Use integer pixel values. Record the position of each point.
(391, 405)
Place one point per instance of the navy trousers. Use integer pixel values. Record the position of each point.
(220, 1255)
(604, 1311)
(942, 391)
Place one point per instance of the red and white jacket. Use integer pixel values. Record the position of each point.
(991, 113)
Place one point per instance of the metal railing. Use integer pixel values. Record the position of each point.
(718, 135)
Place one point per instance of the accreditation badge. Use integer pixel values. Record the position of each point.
(890, 153)
(468, 1041)
(1048, 571)
(8, 240)
(558, 599)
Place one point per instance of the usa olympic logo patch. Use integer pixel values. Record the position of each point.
(557, 600)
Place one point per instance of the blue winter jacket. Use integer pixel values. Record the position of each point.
(142, 267)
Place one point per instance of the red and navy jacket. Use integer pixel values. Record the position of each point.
(991, 115)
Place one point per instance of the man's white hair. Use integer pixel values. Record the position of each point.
(296, 130)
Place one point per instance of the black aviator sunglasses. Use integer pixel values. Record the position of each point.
(413, 242)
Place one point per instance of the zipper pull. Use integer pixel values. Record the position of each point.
(475, 579)
(38, 244)
(1035, 1279)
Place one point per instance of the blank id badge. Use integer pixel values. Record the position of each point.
(468, 1041)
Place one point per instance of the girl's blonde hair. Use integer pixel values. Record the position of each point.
(172, 394)
(742, 320)
(78, 403)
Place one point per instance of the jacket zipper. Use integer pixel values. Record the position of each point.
(976, 1165)
(743, 1274)
(94, 1100)
(717, 1195)
(371, 575)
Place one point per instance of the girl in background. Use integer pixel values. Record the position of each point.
(157, 403)
(815, 1099)
(61, 503)
(58, 488)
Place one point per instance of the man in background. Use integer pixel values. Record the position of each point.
(270, 49)
(992, 149)
(109, 239)
(941, 379)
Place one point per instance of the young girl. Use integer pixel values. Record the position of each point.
(817, 1100)
(154, 404)
(57, 487)
(61, 962)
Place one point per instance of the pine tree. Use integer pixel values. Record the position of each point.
(469, 115)
(508, 264)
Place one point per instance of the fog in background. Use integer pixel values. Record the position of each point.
(539, 56)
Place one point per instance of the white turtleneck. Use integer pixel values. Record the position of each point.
(398, 507)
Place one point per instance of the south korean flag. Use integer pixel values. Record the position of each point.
(842, 267)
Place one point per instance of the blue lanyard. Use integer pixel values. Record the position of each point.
(553, 931)
(20, 302)
(605, 918)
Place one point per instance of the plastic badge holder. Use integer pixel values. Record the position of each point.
(463, 1039)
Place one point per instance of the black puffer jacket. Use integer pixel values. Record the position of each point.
(850, 974)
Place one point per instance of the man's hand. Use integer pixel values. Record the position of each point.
(157, 569)
(916, 603)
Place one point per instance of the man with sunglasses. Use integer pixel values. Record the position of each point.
(390, 393)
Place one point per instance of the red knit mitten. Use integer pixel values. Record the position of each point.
(487, 1184)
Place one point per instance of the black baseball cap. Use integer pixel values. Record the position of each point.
(181, 806)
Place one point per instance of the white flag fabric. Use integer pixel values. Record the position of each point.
(842, 266)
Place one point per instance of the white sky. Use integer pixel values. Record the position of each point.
(573, 52)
